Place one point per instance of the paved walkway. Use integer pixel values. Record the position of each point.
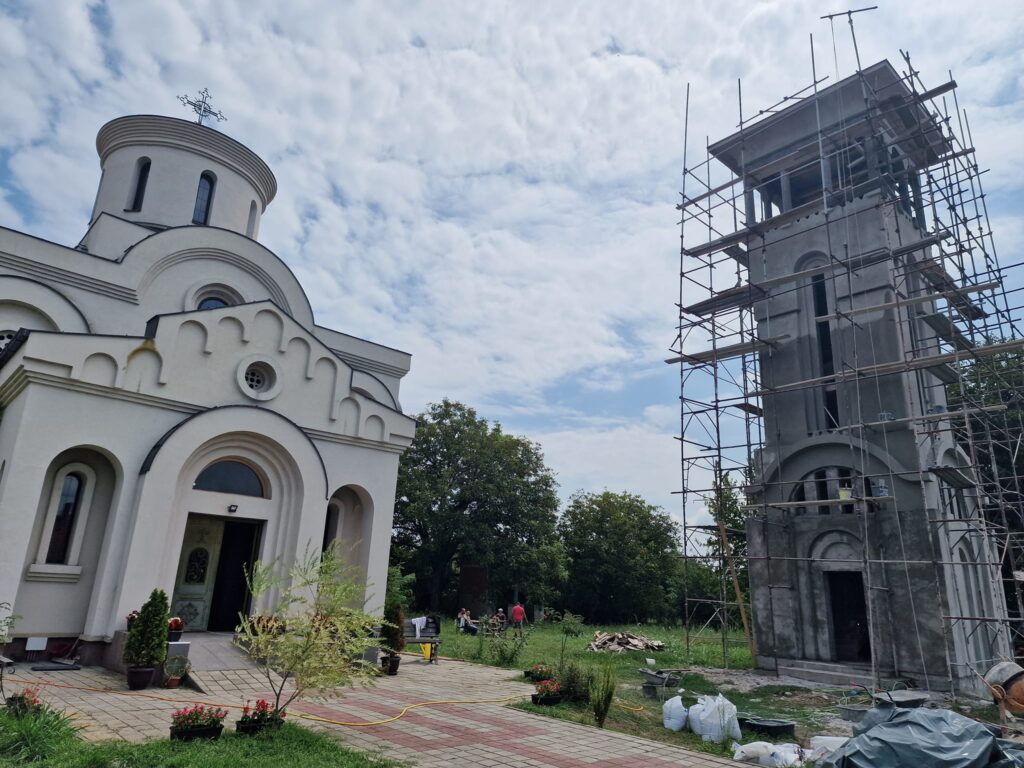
(478, 735)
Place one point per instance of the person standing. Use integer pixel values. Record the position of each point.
(518, 617)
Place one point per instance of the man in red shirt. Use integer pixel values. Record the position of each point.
(518, 616)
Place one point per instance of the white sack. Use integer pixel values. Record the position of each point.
(673, 714)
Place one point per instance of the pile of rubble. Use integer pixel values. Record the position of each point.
(623, 641)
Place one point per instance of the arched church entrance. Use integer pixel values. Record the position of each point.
(240, 494)
(227, 506)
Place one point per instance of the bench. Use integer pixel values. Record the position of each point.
(430, 635)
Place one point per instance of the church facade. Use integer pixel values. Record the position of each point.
(171, 411)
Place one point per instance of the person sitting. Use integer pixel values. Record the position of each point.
(500, 619)
(466, 624)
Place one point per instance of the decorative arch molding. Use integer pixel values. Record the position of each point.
(811, 260)
(53, 305)
(795, 455)
(246, 418)
(836, 550)
(162, 250)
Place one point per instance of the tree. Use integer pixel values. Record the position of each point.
(725, 508)
(623, 558)
(470, 494)
(313, 635)
(396, 602)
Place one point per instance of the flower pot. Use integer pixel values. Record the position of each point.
(390, 664)
(172, 682)
(546, 700)
(262, 726)
(139, 677)
(191, 734)
(173, 635)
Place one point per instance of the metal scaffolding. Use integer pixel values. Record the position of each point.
(946, 277)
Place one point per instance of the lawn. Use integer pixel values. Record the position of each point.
(545, 643)
(24, 743)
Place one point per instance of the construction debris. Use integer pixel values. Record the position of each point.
(623, 641)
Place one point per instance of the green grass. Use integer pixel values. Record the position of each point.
(291, 745)
(634, 714)
(544, 647)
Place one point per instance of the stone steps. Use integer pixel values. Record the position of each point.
(830, 673)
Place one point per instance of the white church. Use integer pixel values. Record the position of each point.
(171, 411)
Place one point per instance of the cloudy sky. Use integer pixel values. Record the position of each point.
(490, 186)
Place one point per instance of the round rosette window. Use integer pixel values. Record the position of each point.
(258, 378)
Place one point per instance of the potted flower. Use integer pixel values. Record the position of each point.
(548, 692)
(258, 719)
(130, 618)
(25, 703)
(146, 647)
(197, 722)
(175, 669)
(175, 626)
(539, 672)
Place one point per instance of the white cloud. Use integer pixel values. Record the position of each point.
(489, 186)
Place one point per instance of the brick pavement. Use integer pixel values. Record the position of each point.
(482, 735)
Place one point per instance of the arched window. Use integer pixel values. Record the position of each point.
(230, 476)
(68, 504)
(212, 302)
(141, 177)
(204, 199)
(250, 228)
(66, 516)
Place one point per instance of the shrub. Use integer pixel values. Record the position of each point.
(197, 716)
(505, 651)
(576, 681)
(396, 602)
(35, 738)
(570, 625)
(602, 691)
(7, 620)
(177, 666)
(147, 638)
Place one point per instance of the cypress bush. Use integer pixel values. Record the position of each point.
(147, 638)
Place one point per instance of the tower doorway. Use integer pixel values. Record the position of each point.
(850, 630)
(210, 590)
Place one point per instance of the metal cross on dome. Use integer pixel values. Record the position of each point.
(202, 106)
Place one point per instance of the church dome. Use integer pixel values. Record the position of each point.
(166, 172)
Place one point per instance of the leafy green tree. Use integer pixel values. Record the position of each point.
(725, 508)
(312, 635)
(623, 558)
(469, 494)
(990, 389)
